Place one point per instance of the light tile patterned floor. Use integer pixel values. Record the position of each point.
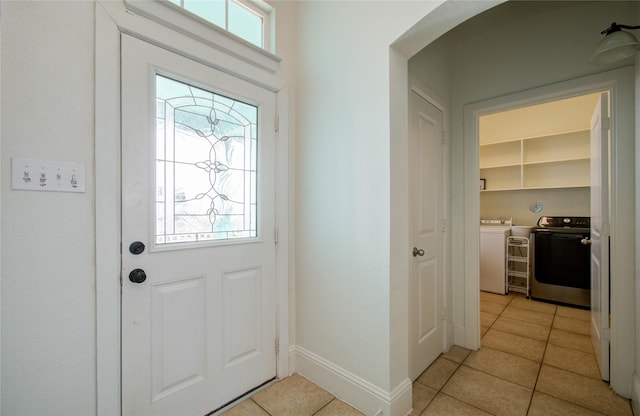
(536, 360)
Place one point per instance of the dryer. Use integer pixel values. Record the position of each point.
(562, 261)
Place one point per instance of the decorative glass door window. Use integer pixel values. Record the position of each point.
(206, 165)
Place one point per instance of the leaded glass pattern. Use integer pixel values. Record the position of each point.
(206, 165)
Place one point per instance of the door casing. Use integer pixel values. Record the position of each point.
(442, 315)
(112, 19)
(619, 84)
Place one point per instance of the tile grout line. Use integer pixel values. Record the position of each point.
(540, 369)
(497, 316)
(546, 344)
(258, 404)
(440, 390)
(328, 403)
(555, 314)
(533, 390)
(460, 365)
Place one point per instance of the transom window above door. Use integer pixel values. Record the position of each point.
(248, 19)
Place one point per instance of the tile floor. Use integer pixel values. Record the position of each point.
(536, 359)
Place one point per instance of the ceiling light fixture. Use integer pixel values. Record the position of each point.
(616, 45)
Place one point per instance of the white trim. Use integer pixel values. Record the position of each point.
(635, 394)
(112, 19)
(364, 396)
(619, 83)
(267, 14)
(180, 20)
(471, 223)
(108, 195)
(292, 359)
(190, 46)
(459, 336)
(282, 223)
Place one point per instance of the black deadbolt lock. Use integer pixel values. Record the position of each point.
(137, 247)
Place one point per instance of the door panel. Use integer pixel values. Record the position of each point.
(426, 283)
(242, 294)
(599, 234)
(198, 189)
(177, 335)
(427, 286)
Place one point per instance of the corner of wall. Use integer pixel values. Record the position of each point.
(459, 337)
(348, 387)
(635, 394)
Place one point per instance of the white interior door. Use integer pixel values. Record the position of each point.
(426, 284)
(600, 234)
(198, 192)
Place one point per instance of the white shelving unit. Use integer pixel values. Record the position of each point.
(543, 162)
(518, 265)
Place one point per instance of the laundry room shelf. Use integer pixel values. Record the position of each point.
(518, 265)
(560, 160)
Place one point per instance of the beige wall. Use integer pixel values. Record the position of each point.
(515, 204)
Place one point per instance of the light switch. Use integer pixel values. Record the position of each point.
(47, 175)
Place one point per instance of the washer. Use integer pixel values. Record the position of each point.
(493, 251)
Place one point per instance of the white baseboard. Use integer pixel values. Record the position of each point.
(348, 387)
(635, 394)
(459, 337)
(292, 359)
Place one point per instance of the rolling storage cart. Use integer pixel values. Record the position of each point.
(518, 269)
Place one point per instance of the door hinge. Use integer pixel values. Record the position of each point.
(277, 124)
(277, 345)
(444, 313)
(442, 136)
(606, 334)
(275, 235)
(443, 225)
(606, 123)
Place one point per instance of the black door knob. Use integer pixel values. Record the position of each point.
(137, 276)
(137, 247)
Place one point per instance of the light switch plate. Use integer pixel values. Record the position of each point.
(47, 175)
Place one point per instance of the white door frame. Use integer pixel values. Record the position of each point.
(112, 19)
(619, 83)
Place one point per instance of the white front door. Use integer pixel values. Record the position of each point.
(426, 152)
(198, 301)
(600, 234)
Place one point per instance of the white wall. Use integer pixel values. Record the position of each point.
(48, 272)
(343, 209)
(432, 69)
